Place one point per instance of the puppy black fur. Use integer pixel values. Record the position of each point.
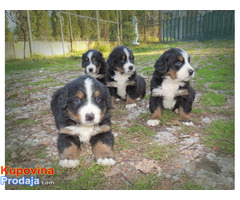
(73, 107)
(170, 86)
(94, 65)
(122, 79)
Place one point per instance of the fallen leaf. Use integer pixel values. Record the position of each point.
(215, 148)
(147, 165)
(114, 171)
(186, 152)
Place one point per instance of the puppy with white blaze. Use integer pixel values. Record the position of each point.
(94, 65)
(81, 111)
(170, 86)
(122, 79)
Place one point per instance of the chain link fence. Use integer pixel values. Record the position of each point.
(51, 32)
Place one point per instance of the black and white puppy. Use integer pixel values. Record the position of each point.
(82, 114)
(122, 79)
(94, 64)
(170, 87)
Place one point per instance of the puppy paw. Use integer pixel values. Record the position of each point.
(106, 161)
(153, 122)
(190, 123)
(132, 105)
(118, 100)
(67, 163)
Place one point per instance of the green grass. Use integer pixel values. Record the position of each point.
(215, 72)
(190, 185)
(40, 83)
(89, 178)
(49, 64)
(146, 182)
(220, 134)
(41, 152)
(25, 121)
(12, 96)
(29, 91)
(162, 153)
(168, 116)
(140, 130)
(122, 142)
(221, 86)
(13, 105)
(197, 110)
(213, 99)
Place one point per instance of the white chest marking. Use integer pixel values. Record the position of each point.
(121, 84)
(83, 132)
(168, 90)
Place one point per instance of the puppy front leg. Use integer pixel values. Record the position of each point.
(184, 117)
(155, 118)
(113, 93)
(102, 147)
(155, 109)
(68, 149)
(130, 102)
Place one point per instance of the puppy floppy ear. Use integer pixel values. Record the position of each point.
(161, 65)
(83, 57)
(110, 61)
(59, 100)
(103, 62)
(62, 98)
(109, 101)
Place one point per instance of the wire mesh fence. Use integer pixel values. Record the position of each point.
(52, 32)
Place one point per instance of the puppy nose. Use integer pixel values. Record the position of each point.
(130, 67)
(90, 69)
(190, 72)
(89, 117)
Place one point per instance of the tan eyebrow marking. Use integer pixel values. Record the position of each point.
(80, 95)
(97, 94)
(180, 58)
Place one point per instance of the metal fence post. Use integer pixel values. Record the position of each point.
(118, 33)
(98, 30)
(120, 26)
(61, 29)
(160, 26)
(30, 33)
(71, 33)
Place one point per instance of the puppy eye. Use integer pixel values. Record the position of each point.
(86, 59)
(77, 101)
(178, 64)
(98, 100)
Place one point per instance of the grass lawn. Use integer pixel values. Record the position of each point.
(31, 82)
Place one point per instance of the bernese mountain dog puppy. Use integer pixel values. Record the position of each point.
(170, 87)
(94, 64)
(122, 79)
(82, 115)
